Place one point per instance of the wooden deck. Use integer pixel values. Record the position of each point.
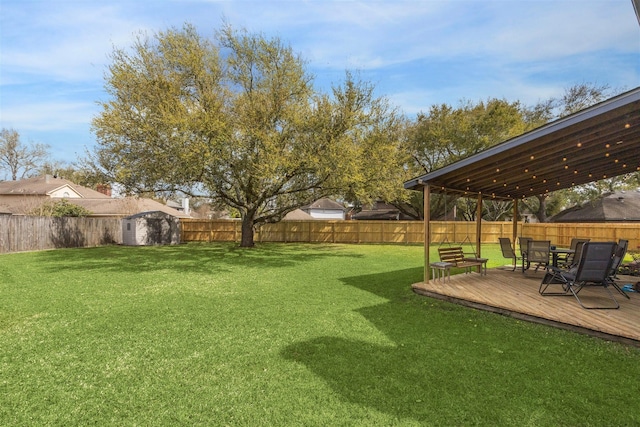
(515, 294)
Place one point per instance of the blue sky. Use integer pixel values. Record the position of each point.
(53, 53)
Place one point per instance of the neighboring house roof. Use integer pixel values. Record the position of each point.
(380, 211)
(612, 207)
(298, 215)
(125, 206)
(22, 197)
(46, 185)
(324, 203)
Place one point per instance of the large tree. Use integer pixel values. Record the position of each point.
(237, 118)
(20, 159)
(446, 134)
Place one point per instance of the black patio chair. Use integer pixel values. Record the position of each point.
(523, 243)
(537, 253)
(575, 257)
(618, 256)
(508, 252)
(570, 259)
(593, 269)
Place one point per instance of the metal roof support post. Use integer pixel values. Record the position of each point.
(427, 230)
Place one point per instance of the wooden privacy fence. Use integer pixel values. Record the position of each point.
(31, 233)
(313, 231)
(406, 232)
(26, 233)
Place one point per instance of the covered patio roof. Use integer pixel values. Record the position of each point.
(596, 143)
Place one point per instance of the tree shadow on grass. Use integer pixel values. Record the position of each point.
(442, 364)
(189, 258)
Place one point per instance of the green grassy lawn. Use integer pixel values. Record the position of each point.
(280, 335)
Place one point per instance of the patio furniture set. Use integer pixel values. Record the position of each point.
(569, 270)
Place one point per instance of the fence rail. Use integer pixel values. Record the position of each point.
(405, 232)
(31, 233)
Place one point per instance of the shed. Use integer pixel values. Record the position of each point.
(150, 228)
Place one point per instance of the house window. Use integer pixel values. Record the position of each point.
(128, 226)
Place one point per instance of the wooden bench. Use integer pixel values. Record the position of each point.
(455, 255)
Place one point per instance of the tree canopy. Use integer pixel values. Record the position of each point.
(237, 118)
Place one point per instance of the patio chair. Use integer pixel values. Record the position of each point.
(567, 260)
(550, 277)
(594, 268)
(523, 242)
(575, 257)
(618, 256)
(508, 252)
(537, 253)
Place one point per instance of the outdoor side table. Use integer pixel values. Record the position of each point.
(441, 270)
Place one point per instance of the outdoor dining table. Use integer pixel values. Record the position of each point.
(557, 251)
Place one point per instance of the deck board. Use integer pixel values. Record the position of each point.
(515, 294)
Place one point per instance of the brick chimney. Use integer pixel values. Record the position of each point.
(104, 189)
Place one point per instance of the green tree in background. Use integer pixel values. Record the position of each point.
(445, 135)
(237, 119)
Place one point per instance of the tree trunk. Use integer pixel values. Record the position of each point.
(542, 209)
(246, 240)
